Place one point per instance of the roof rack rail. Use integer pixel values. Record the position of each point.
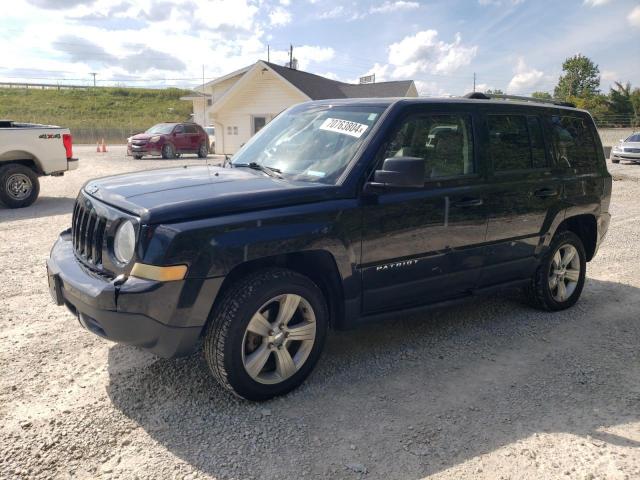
(500, 96)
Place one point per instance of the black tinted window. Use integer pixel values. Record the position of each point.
(538, 155)
(573, 142)
(444, 141)
(179, 129)
(190, 129)
(509, 144)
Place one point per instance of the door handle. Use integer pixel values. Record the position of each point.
(546, 192)
(468, 202)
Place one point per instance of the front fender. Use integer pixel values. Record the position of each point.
(213, 247)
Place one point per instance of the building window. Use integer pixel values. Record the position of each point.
(229, 130)
(235, 130)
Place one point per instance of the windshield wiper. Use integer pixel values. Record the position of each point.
(272, 172)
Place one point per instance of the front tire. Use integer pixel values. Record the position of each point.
(168, 152)
(19, 186)
(266, 334)
(559, 280)
(615, 160)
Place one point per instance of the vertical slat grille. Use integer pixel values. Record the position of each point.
(87, 230)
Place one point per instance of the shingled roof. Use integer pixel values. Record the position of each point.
(320, 88)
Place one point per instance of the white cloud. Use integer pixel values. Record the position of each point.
(335, 12)
(525, 80)
(424, 53)
(279, 16)
(388, 6)
(634, 17)
(500, 2)
(596, 3)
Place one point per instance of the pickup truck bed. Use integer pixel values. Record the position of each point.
(28, 151)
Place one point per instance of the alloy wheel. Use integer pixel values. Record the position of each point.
(564, 273)
(279, 339)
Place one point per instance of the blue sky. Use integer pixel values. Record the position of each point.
(514, 45)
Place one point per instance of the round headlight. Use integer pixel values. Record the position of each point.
(124, 242)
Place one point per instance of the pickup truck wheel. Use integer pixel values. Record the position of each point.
(203, 151)
(266, 334)
(19, 186)
(168, 151)
(559, 280)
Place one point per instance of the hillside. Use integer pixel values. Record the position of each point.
(93, 113)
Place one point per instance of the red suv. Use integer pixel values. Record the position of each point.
(169, 140)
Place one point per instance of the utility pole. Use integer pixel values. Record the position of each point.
(290, 56)
(204, 101)
(94, 77)
(268, 54)
(474, 81)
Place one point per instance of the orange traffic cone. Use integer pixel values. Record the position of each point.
(104, 147)
(98, 147)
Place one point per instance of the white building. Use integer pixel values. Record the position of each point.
(242, 102)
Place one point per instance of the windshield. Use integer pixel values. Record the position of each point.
(633, 138)
(313, 143)
(164, 128)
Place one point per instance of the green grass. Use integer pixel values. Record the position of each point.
(92, 113)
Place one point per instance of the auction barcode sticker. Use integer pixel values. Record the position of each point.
(345, 127)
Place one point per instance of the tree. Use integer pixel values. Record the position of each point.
(542, 95)
(580, 78)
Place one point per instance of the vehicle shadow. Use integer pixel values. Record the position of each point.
(409, 397)
(43, 207)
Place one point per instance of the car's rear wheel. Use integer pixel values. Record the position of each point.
(168, 151)
(559, 280)
(137, 157)
(203, 151)
(19, 186)
(266, 334)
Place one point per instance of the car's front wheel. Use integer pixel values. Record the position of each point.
(168, 152)
(266, 334)
(560, 278)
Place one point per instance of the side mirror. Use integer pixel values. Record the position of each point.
(400, 172)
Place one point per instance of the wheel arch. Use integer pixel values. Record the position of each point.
(21, 158)
(318, 265)
(584, 226)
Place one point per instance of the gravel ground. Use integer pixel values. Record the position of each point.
(491, 389)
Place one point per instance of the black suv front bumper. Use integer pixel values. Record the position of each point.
(165, 318)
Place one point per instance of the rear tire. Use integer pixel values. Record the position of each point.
(203, 151)
(559, 280)
(19, 186)
(266, 334)
(168, 152)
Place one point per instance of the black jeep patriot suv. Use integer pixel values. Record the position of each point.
(337, 213)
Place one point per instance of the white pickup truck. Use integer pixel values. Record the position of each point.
(28, 151)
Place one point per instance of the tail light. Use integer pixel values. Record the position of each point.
(67, 141)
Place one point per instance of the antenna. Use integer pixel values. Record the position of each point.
(268, 54)
(474, 81)
(290, 56)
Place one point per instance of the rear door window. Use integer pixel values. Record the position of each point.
(573, 142)
(509, 143)
(190, 129)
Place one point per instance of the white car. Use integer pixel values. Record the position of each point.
(211, 131)
(627, 149)
(28, 151)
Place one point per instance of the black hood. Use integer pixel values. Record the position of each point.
(184, 193)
